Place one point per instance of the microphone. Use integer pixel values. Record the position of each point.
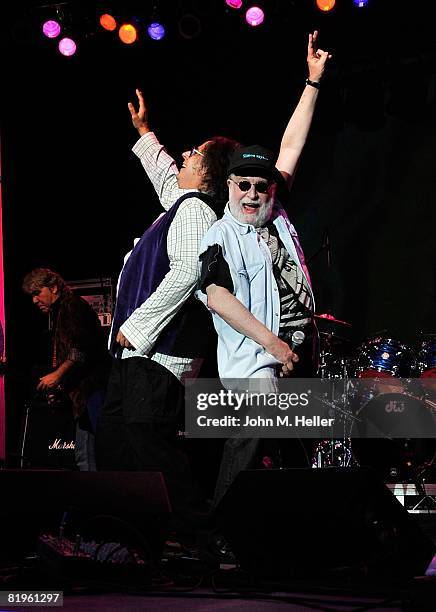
(297, 338)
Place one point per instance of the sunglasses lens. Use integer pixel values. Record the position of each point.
(246, 186)
(262, 187)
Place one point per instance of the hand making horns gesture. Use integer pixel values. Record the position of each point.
(316, 58)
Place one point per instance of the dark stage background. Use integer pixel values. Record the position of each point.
(75, 196)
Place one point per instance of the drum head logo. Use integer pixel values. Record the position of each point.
(394, 406)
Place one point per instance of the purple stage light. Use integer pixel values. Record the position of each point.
(236, 4)
(156, 31)
(51, 28)
(254, 16)
(360, 3)
(67, 47)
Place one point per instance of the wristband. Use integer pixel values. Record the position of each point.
(312, 83)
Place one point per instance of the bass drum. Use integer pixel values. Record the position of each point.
(380, 436)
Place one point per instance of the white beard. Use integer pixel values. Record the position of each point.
(258, 219)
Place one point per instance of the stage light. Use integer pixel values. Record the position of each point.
(108, 22)
(254, 16)
(360, 3)
(325, 5)
(51, 28)
(128, 33)
(156, 31)
(189, 26)
(235, 4)
(67, 47)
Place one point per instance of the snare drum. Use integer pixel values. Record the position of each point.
(383, 358)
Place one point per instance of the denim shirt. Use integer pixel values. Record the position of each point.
(250, 263)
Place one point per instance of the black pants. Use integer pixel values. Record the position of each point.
(139, 430)
(241, 453)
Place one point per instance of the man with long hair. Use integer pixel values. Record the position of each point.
(160, 331)
(78, 356)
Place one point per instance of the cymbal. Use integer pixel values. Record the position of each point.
(333, 337)
(329, 317)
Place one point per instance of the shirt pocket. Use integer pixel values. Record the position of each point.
(250, 288)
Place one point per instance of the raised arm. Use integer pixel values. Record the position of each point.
(159, 165)
(140, 116)
(295, 135)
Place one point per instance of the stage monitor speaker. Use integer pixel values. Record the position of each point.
(110, 506)
(302, 523)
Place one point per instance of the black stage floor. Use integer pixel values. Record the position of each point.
(181, 581)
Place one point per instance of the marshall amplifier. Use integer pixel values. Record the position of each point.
(47, 436)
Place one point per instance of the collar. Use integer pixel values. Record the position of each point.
(54, 308)
(244, 228)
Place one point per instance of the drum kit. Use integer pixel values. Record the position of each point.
(381, 366)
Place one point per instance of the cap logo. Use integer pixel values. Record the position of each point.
(245, 155)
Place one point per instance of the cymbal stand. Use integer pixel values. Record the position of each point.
(332, 450)
(343, 444)
(323, 364)
(419, 482)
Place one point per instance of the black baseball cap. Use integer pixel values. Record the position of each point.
(254, 160)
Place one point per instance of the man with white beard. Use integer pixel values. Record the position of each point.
(254, 277)
(254, 274)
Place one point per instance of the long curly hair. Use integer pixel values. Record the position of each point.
(216, 159)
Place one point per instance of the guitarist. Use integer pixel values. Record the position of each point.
(78, 356)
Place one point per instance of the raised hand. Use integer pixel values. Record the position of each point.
(316, 58)
(140, 117)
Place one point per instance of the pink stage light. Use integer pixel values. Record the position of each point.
(254, 16)
(51, 29)
(67, 47)
(236, 4)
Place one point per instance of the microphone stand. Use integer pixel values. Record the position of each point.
(324, 247)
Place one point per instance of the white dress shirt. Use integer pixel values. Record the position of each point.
(191, 221)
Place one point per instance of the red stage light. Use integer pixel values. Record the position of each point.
(108, 22)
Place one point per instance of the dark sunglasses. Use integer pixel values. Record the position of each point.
(246, 186)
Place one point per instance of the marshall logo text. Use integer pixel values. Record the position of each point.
(59, 445)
